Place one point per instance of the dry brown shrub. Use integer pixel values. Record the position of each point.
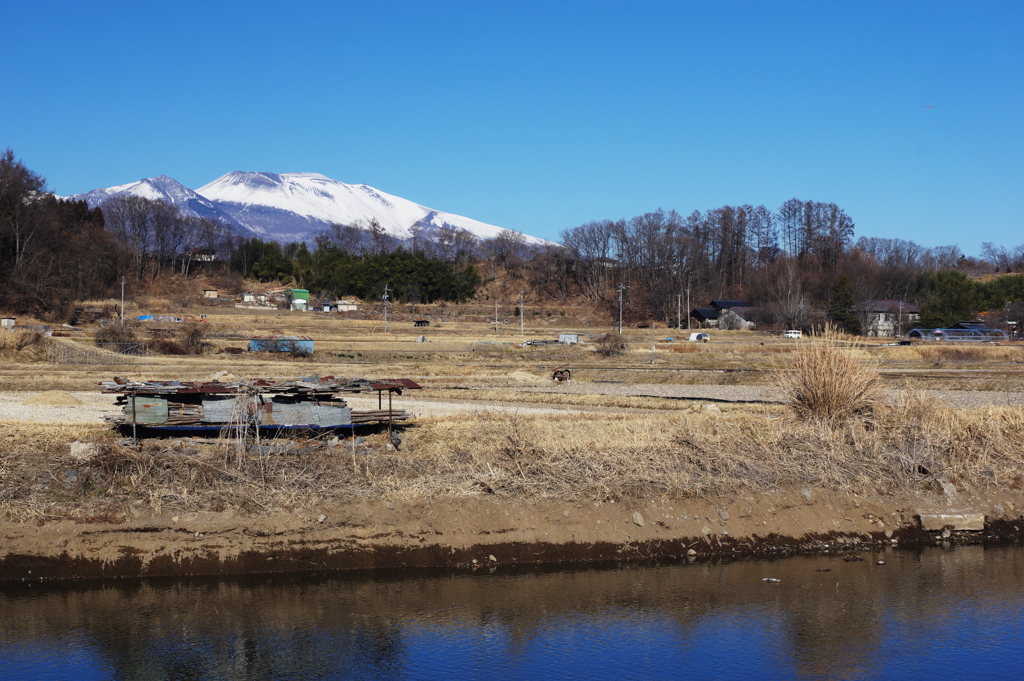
(827, 382)
(115, 334)
(190, 340)
(611, 345)
(30, 343)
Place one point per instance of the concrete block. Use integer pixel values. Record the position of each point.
(934, 522)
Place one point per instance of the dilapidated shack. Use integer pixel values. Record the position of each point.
(304, 403)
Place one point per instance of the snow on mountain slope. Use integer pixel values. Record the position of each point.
(296, 205)
(160, 188)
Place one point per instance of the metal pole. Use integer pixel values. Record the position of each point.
(122, 300)
(679, 316)
(385, 299)
(620, 309)
(495, 315)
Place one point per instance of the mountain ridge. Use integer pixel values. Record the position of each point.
(294, 206)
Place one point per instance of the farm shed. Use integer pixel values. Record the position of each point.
(302, 344)
(304, 403)
(298, 298)
(707, 316)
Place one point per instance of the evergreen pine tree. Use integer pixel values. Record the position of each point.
(840, 307)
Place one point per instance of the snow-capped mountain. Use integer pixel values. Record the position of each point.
(160, 188)
(295, 206)
(291, 206)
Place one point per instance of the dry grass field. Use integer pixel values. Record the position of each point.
(666, 418)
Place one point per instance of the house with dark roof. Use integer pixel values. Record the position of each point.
(738, 318)
(705, 316)
(886, 318)
(722, 305)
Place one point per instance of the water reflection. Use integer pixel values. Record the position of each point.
(920, 614)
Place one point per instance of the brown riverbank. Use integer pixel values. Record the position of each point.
(454, 534)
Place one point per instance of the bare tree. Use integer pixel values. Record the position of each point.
(590, 247)
(20, 191)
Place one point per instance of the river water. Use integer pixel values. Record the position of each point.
(953, 613)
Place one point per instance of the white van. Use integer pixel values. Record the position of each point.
(792, 333)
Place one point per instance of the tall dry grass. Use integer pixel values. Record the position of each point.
(828, 382)
(909, 441)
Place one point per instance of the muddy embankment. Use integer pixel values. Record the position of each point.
(481, 533)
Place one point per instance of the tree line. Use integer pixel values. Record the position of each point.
(785, 262)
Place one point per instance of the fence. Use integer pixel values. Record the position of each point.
(959, 335)
(106, 354)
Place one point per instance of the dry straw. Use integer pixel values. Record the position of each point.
(828, 382)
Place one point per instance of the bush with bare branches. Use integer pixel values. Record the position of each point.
(611, 345)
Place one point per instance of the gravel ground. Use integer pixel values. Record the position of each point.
(959, 399)
(711, 393)
(96, 405)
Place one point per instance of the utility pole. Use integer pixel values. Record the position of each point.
(522, 313)
(495, 314)
(123, 280)
(679, 317)
(385, 299)
(622, 287)
(687, 305)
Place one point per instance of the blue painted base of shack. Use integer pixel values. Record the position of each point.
(172, 431)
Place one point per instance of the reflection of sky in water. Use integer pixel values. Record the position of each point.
(953, 614)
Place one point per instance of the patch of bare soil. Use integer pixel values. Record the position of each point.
(480, 532)
(54, 398)
(56, 406)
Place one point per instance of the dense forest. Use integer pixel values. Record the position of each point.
(798, 264)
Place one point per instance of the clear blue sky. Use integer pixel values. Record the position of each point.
(538, 116)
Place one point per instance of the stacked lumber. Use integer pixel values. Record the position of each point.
(378, 415)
